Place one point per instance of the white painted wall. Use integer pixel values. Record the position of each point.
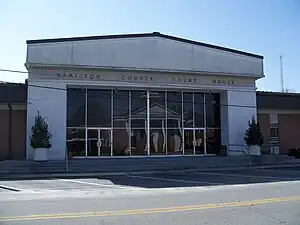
(51, 102)
(145, 53)
(238, 107)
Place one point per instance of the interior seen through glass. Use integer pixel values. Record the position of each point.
(107, 122)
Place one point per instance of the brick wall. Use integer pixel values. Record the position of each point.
(18, 132)
(264, 123)
(289, 131)
(4, 133)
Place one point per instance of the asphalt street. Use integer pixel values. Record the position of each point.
(269, 196)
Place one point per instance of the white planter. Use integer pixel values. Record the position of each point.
(254, 150)
(40, 154)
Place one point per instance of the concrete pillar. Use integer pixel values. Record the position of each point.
(237, 108)
(50, 99)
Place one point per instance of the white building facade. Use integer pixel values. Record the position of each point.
(140, 95)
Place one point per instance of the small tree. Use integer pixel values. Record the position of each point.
(253, 135)
(41, 136)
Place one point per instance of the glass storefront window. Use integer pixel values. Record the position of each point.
(157, 141)
(139, 109)
(99, 108)
(138, 142)
(188, 110)
(138, 117)
(121, 138)
(121, 123)
(117, 122)
(189, 141)
(157, 123)
(76, 107)
(174, 130)
(212, 106)
(76, 142)
(213, 140)
(199, 109)
(120, 109)
(174, 142)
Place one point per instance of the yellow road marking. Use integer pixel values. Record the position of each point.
(151, 210)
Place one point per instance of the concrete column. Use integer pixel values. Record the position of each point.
(50, 99)
(237, 108)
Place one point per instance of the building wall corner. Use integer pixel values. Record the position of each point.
(237, 108)
(49, 99)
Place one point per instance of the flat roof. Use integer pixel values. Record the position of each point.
(154, 34)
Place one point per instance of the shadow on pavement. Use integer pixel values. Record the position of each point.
(199, 179)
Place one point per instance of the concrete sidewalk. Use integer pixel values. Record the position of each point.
(71, 175)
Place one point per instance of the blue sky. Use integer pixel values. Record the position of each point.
(267, 27)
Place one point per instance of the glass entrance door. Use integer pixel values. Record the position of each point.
(199, 141)
(98, 142)
(194, 141)
(189, 142)
(92, 143)
(104, 142)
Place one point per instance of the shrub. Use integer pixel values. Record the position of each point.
(41, 136)
(253, 135)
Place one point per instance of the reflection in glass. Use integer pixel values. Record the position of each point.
(76, 142)
(157, 109)
(157, 141)
(120, 109)
(139, 109)
(199, 142)
(199, 109)
(174, 110)
(138, 142)
(121, 142)
(157, 123)
(99, 108)
(188, 142)
(174, 142)
(138, 123)
(75, 107)
(105, 142)
(93, 148)
(170, 113)
(188, 109)
(212, 107)
(213, 140)
(174, 123)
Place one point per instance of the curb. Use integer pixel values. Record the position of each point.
(97, 174)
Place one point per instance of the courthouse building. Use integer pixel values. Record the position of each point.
(140, 95)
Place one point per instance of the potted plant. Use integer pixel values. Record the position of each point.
(253, 137)
(40, 139)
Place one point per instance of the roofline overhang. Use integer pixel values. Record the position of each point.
(139, 35)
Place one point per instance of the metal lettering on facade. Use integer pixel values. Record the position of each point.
(224, 82)
(142, 78)
(184, 80)
(78, 76)
(137, 78)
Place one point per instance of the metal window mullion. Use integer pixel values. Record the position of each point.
(99, 142)
(112, 122)
(85, 122)
(129, 123)
(148, 123)
(166, 123)
(204, 115)
(182, 123)
(194, 147)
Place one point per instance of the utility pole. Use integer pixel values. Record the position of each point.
(281, 74)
